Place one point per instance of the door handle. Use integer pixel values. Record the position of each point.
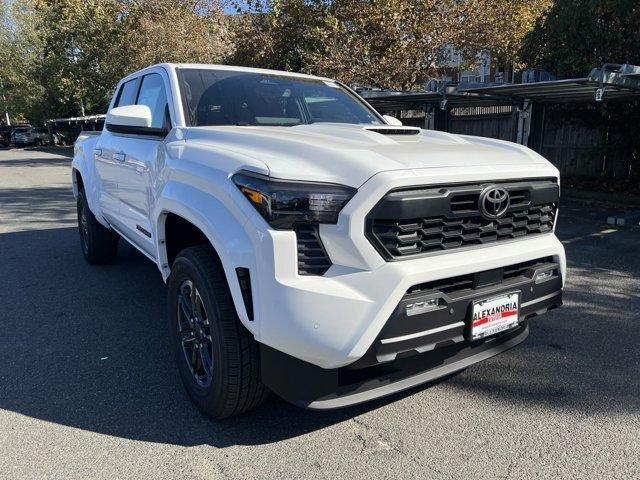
(119, 157)
(97, 152)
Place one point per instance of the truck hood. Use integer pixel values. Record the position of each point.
(351, 154)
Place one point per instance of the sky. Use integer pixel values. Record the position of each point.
(232, 10)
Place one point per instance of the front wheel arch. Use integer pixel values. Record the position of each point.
(175, 234)
(222, 227)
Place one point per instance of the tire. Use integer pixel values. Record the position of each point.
(226, 348)
(37, 142)
(99, 244)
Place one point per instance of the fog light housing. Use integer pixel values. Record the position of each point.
(422, 306)
(545, 275)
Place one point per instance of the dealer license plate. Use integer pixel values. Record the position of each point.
(494, 315)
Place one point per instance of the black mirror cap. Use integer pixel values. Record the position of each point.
(135, 130)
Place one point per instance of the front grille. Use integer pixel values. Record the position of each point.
(312, 257)
(472, 281)
(413, 222)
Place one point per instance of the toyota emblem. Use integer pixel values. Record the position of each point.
(493, 202)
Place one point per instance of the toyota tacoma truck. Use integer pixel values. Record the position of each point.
(311, 246)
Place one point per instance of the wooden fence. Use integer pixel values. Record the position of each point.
(576, 147)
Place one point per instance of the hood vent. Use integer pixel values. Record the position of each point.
(394, 130)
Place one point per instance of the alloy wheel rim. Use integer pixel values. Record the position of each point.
(194, 332)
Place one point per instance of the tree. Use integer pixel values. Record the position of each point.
(386, 43)
(18, 48)
(500, 26)
(577, 35)
(79, 49)
(394, 43)
(277, 34)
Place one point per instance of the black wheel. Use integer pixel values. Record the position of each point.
(37, 142)
(218, 359)
(99, 244)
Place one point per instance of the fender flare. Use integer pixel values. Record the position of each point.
(80, 165)
(220, 226)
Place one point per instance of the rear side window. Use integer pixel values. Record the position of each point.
(127, 94)
(153, 95)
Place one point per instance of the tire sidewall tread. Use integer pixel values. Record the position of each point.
(102, 243)
(236, 386)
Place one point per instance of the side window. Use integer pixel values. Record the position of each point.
(127, 94)
(153, 95)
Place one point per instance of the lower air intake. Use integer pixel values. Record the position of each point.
(312, 257)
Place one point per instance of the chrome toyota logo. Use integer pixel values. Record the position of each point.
(493, 202)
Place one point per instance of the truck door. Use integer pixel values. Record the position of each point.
(106, 163)
(133, 161)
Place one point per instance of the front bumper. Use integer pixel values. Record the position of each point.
(315, 388)
(333, 320)
(415, 347)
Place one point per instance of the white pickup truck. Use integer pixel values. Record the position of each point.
(311, 246)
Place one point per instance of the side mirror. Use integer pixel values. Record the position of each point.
(132, 119)
(392, 120)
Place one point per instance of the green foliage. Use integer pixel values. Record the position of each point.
(577, 35)
(277, 34)
(386, 43)
(18, 48)
(62, 55)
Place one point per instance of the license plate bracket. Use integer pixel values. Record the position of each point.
(493, 315)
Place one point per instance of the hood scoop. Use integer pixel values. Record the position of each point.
(393, 130)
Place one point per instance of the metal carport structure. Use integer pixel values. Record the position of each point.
(611, 82)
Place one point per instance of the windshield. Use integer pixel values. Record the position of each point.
(21, 130)
(225, 97)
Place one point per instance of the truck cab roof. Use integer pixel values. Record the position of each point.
(206, 66)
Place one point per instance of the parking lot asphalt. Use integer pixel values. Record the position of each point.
(88, 389)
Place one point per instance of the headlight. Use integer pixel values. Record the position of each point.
(285, 203)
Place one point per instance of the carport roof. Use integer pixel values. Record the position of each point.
(572, 90)
(619, 82)
(393, 100)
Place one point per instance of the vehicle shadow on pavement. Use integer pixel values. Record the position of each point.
(87, 347)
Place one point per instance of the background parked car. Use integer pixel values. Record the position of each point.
(6, 131)
(59, 138)
(23, 136)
